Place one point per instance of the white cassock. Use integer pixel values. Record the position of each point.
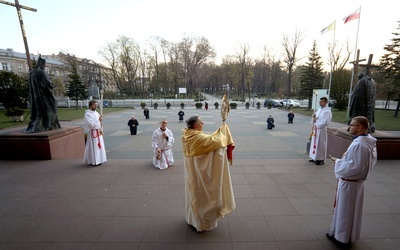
(166, 158)
(95, 152)
(351, 171)
(319, 139)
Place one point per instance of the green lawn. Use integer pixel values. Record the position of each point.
(384, 119)
(64, 114)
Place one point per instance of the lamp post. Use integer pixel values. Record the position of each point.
(151, 99)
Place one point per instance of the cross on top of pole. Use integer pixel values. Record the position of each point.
(21, 22)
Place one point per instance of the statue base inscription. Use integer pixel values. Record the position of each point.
(387, 144)
(64, 143)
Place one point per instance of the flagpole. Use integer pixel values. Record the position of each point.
(352, 72)
(330, 76)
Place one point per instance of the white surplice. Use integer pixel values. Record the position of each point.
(95, 152)
(166, 158)
(351, 171)
(319, 139)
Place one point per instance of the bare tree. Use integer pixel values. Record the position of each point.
(245, 63)
(175, 67)
(336, 59)
(144, 74)
(123, 58)
(291, 54)
(154, 61)
(230, 71)
(275, 67)
(193, 53)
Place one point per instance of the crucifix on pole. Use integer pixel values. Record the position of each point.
(21, 23)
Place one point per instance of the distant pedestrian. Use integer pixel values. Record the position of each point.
(133, 124)
(146, 113)
(206, 105)
(290, 116)
(181, 114)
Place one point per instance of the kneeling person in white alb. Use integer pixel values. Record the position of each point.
(161, 142)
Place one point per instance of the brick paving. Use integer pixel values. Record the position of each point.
(283, 201)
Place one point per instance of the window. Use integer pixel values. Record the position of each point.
(5, 66)
(47, 70)
(19, 68)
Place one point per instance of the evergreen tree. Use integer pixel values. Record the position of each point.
(13, 93)
(340, 88)
(390, 68)
(312, 76)
(76, 89)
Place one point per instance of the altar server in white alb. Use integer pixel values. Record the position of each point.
(95, 152)
(351, 172)
(319, 139)
(161, 142)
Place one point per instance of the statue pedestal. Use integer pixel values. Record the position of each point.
(387, 144)
(64, 143)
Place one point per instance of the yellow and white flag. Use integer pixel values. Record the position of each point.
(330, 27)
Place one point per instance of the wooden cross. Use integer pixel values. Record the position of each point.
(354, 78)
(369, 65)
(355, 70)
(21, 22)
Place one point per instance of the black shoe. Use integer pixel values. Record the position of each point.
(338, 243)
(319, 162)
(311, 160)
(331, 237)
(193, 228)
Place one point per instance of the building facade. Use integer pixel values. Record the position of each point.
(94, 75)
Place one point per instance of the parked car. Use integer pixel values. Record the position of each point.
(290, 103)
(275, 103)
(107, 103)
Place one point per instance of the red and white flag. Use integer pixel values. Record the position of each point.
(352, 16)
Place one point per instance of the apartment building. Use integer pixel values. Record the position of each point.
(95, 76)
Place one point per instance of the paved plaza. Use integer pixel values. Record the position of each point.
(283, 201)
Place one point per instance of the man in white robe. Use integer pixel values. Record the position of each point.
(208, 186)
(95, 152)
(161, 142)
(319, 139)
(351, 171)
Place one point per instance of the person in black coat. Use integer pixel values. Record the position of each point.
(133, 124)
(181, 114)
(290, 117)
(270, 122)
(146, 113)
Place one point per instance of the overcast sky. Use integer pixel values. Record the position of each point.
(82, 27)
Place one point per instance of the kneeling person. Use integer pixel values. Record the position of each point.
(161, 142)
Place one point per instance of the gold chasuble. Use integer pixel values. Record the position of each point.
(208, 186)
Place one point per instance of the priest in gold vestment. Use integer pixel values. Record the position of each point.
(208, 186)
